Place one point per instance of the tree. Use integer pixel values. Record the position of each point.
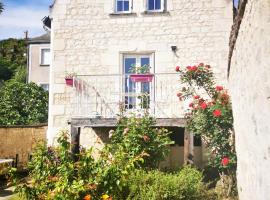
(1, 7)
(23, 104)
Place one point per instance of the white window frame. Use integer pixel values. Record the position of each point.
(40, 56)
(138, 87)
(41, 83)
(162, 6)
(122, 12)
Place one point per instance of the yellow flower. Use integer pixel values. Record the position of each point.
(105, 196)
(87, 197)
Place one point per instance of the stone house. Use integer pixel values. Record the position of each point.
(101, 40)
(38, 60)
(249, 81)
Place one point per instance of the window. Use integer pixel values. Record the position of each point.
(155, 5)
(45, 86)
(137, 94)
(45, 57)
(122, 6)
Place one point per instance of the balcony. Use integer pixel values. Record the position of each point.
(105, 97)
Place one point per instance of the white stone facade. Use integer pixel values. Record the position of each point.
(87, 38)
(250, 89)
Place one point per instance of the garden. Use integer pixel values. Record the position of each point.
(128, 167)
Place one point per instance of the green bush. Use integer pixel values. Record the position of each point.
(137, 136)
(155, 185)
(23, 104)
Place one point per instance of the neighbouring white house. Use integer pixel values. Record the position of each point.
(38, 60)
(101, 40)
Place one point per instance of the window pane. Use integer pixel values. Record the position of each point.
(119, 6)
(157, 4)
(129, 63)
(45, 56)
(151, 4)
(126, 5)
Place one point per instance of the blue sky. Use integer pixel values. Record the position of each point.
(22, 15)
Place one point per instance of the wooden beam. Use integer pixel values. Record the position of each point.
(188, 148)
(75, 142)
(111, 122)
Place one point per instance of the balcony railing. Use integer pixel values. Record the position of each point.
(107, 96)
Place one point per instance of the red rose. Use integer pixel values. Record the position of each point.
(196, 97)
(225, 161)
(194, 68)
(217, 113)
(201, 64)
(179, 94)
(219, 88)
(189, 68)
(177, 68)
(146, 138)
(203, 105)
(191, 105)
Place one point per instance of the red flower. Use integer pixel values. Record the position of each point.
(217, 113)
(177, 68)
(196, 97)
(225, 161)
(219, 88)
(194, 68)
(189, 68)
(146, 138)
(203, 105)
(191, 105)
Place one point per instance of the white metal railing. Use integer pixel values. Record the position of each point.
(105, 95)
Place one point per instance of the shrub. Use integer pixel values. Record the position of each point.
(137, 136)
(155, 185)
(23, 104)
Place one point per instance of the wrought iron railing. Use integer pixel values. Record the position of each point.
(107, 96)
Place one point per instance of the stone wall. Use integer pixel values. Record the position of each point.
(88, 39)
(250, 89)
(19, 140)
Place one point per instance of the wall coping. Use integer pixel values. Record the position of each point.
(24, 126)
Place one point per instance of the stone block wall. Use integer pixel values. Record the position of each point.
(88, 39)
(250, 89)
(20, 140)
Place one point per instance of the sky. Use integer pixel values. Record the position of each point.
(22, 15)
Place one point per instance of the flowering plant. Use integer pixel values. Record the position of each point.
(209, 115)
(144, 69)
(70, 75)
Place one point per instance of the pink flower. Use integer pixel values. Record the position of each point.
(194, 68)
(217, 113)
(225, 161)
(146, 138)
(219, 88)
(191, 105)
(126, 131)
(177, 68)
(196, 97)
(189, 68)
(203, 105)
(201, 64)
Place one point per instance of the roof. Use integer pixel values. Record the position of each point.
(46, 38)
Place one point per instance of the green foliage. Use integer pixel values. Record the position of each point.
(185, 184)
(1, 7)
(23, 104)
(136, 136)
(12, 58)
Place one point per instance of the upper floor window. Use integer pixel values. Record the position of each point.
(155, 5)
(122, 6)
(45, 56)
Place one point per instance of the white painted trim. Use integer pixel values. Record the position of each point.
(40, 56)
(29, 63)
(162, 6)
(122, 12)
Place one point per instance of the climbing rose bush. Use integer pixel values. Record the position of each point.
(209, 115)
